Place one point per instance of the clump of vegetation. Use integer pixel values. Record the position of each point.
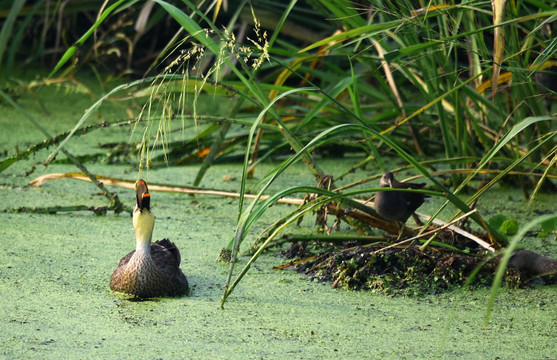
(395, 271)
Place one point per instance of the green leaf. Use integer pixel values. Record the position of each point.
(549, 225)
(497, 220)
(509, 227)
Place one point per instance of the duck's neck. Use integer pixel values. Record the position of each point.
(143, 223)
(143, 245)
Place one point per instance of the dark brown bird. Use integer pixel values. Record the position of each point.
(535, 265)
(152, 269)
(397, 206)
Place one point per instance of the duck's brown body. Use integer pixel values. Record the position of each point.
(157, 274)
(152, 269)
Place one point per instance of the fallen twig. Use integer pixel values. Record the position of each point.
(445, 226)
(130, 184)
(98, 210)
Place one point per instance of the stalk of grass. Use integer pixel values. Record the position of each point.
(243, 216)
(45, 144)
(102, 17)
(18, 35)
(245, 222)
(7, 28)
(216, 145)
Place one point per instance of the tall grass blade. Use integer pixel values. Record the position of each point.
(7, 27)
(71, 51)
(498, 41)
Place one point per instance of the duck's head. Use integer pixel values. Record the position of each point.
(143, 218)
(387, 180)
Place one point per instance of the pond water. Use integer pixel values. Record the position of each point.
(55, 270)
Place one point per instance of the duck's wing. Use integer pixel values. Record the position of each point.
(116, 277)
(166, 257)
(165, 252)
(126, 259)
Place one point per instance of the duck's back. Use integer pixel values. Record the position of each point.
(150, 276)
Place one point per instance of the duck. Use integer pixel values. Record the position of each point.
(398, 206)
(152, 269)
